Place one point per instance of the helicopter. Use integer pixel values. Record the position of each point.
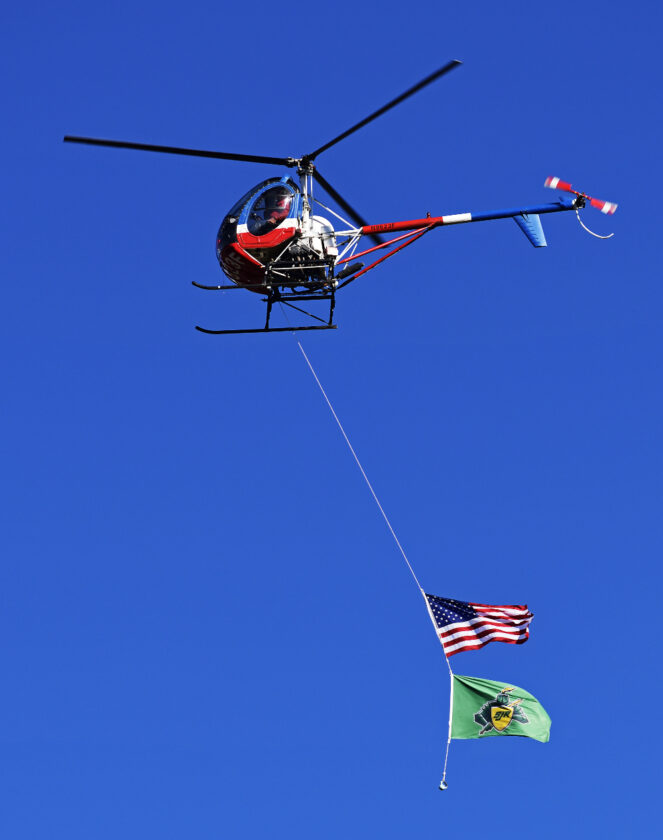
(274, 242)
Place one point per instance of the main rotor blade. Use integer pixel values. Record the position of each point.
(175, 150)
(338, 198)
(433, 76)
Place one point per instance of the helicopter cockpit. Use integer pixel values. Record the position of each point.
(258, 213)
(264, 231)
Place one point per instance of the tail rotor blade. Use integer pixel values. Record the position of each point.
(607, 207)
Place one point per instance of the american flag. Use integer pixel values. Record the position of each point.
(465, 626)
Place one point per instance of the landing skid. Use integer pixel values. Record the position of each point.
(313, 293)
(215, 288)
(266, 330)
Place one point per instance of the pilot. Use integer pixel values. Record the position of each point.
(270, 210)
(278, 207)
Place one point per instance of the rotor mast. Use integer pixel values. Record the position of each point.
(305, 171)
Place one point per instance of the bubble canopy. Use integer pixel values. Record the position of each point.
(260, 211)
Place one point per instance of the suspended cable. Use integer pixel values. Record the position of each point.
(361, 469)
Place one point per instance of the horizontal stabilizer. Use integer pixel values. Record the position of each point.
(530, 224)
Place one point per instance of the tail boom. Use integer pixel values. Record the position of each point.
(461, 218)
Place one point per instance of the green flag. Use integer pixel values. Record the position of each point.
(483, 708)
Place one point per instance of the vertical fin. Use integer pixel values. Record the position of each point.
(530, 224)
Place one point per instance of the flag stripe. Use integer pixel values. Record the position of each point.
(500, 611)
(474, 644)
(453, 638)
(450, 641)
(479, 619)
(470, 625)
(517, 607)
(483, 631)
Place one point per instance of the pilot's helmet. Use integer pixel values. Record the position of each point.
(279, 198)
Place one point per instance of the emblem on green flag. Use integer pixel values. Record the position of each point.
(487, 708)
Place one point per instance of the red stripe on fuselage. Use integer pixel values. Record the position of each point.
(275, 238)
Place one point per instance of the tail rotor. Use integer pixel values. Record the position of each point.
(607, 207)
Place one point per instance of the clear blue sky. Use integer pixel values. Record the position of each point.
(206, 629)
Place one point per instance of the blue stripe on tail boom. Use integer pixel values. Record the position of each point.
(562, 204)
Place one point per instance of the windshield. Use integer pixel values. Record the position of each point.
(269, 210)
